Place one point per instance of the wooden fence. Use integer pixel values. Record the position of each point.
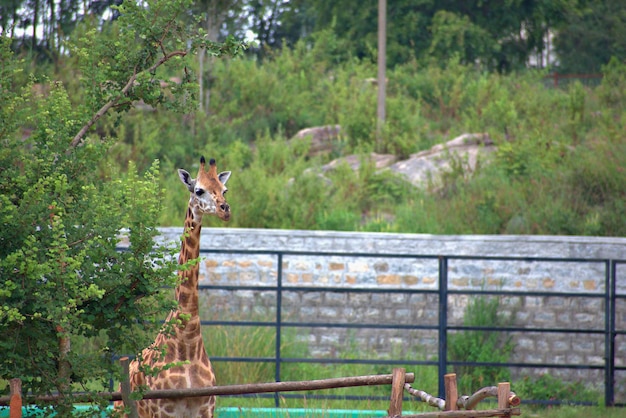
(452, 406)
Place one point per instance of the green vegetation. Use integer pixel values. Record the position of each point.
(503, 36)
(558, 168)
(549, 388)
(68, 299)
(481, 346)
(260, 342)
(96, 116)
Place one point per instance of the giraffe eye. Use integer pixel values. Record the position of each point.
(199, 192)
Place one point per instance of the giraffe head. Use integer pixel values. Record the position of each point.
(207, 190)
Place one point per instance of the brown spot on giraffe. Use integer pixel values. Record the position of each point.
(207, 192)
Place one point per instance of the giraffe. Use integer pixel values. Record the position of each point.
(185, 343)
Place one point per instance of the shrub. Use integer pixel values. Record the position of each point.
(481, 346)
(549, 388)
(61, 215)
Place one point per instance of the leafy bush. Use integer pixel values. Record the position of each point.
(549, 388)
(62, 276)
(63, 207)
(481, 346)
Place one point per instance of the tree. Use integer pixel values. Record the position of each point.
(54, 19)
(61, 277)
(497, 35)
(591, 36)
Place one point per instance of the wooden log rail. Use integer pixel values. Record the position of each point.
(294, 386)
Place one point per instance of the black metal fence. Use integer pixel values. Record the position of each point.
(608, 329)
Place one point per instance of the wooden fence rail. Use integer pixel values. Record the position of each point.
(399, 381)
(251, 388)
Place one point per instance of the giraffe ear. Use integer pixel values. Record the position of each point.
(224, 176)
(187, 180)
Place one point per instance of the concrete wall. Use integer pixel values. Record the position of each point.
(415, 274)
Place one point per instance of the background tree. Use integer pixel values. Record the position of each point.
(591, 36)
(500, 36)
(497, 35)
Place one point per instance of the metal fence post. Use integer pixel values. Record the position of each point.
(443, 323)
(609, 336)
(279, 302)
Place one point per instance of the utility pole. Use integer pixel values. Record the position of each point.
(382, 64)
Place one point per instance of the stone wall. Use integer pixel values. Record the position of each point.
(406, 266)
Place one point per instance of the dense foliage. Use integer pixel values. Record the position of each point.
(505, 35)
(558, 168)
(62, 208)
(78, 155)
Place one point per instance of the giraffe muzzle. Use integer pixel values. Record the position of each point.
(225, 211)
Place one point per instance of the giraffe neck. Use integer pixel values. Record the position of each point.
(187, 290)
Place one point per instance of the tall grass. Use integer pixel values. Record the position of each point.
(259, 342)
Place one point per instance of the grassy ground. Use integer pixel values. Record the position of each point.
(575, 412)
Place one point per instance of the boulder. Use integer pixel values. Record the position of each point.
(322, 138)
(354, 161)
(425, 166)
(421, 169)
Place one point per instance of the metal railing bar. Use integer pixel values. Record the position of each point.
(523, 294)
(319, 253)
(359, 361)
(373, 290)
(406, 362)
(323, 361)
(320, 325)
(527, 259)
(526, 330)
(358, 290)
(264, 288)
(533, 365)
(380, 254)
(317, 289)
(405, 326)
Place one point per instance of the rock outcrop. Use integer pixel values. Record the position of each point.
(322, 138)
(426, 167)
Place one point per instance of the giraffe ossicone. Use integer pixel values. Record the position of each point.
(185, 346)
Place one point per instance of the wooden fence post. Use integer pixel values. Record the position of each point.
(504, 390)
(15, 405)
(125, 386)
(452, 394)
(397, 392)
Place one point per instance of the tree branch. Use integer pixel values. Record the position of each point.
(108, 105)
